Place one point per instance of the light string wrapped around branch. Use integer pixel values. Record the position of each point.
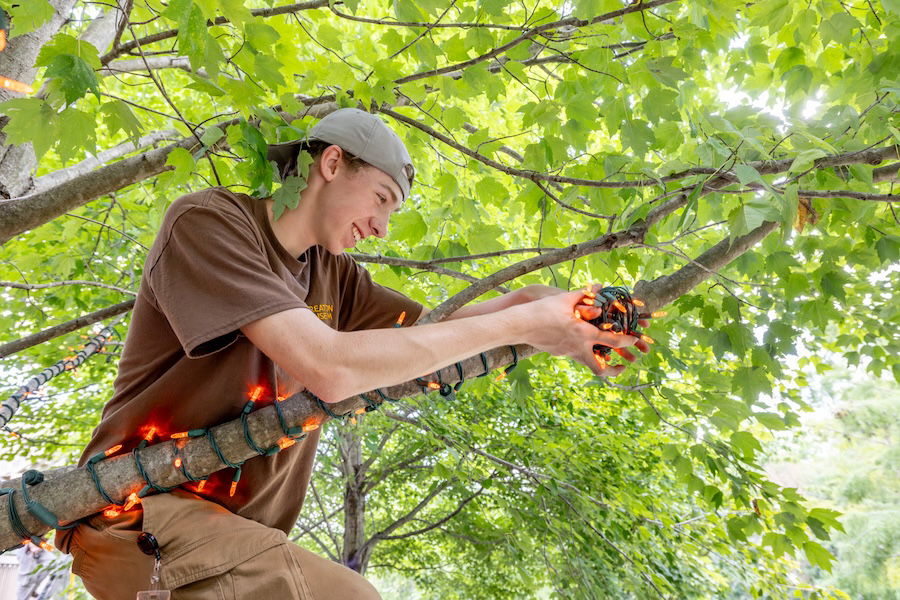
(162, 466)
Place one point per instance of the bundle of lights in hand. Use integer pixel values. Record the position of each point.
(620, 314)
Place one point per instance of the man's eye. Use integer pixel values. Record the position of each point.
(382, 199)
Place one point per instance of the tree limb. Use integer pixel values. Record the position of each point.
(64, 328)
(170, 33)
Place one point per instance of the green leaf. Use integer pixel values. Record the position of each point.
(817, 555)
(888, 248)
(805, 160)
(637, 135)
(31, 120)
(287, 196)
(63, 43)
(747, 174)
(770, 420)
(746, 443)
(78, 131)
(183, 162)
(28, 16)
(752, 214)
(118, 117)
(839, 28)
(408, 226)
(73, 76)
(751, 382)
(211, 136)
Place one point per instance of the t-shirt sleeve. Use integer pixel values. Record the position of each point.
(211, 276)
(369, 305)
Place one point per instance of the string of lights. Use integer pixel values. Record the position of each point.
(618, 313)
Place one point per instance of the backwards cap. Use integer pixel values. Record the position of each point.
(361, 134)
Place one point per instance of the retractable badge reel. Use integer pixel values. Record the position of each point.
(149, 546)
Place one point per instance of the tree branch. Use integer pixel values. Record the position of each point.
(55, 178)
(170, 33)
(43, 286)
(462, 504)
(64, 328)
(530, 33)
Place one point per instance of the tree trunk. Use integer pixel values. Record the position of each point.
(17, 163)
(355, 552)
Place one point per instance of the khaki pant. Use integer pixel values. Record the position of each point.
(208, 553)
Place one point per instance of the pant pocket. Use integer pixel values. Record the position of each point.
(202, 540)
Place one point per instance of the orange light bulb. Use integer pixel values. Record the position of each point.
(311, 424)
(360, 410)
(286, 442)
(132, 500)
(433, 385)
(178, 463)
(233, 488)
(501, 376)
(113, 450)
(606, 326)
(659, 313)
(601, 362)
(620, 306)
(256, 393)
(400, 319)
(150, 434)
(179, 435)
(637, 302)
(111, 513)
(647, 339)
(201, 485)
(588, 301)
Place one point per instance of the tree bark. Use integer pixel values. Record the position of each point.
(17, 62)
(355, 552)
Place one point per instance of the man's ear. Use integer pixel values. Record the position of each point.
(329, 162)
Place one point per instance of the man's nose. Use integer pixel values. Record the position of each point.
(379, 227)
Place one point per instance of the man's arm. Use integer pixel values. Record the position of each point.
(336, 365)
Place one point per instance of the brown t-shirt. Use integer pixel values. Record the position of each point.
(215, 266)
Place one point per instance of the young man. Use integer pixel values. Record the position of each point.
(232, 299)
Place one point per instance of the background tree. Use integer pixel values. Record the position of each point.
(555, 143)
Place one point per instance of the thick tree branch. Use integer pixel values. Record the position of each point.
(666, 289)
(61, 176)
(27, 212)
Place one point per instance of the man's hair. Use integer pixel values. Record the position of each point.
(317, 147)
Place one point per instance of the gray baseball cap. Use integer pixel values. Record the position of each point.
(361, 134)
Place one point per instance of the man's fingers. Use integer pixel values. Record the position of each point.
(588, 312)
(615, 340)
(642, 346)
(624, 354)
(644, 322)
(602, 368)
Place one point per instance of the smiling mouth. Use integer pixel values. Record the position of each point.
(357, 234)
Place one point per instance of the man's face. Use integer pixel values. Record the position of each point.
(357, 203)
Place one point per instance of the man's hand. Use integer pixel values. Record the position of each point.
(558, 330)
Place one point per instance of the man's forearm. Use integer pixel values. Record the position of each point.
(375, 358)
